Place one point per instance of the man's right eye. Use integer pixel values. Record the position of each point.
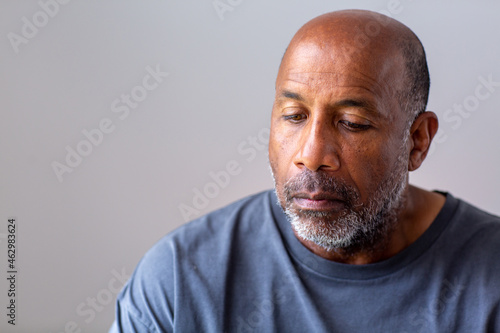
(295, 118)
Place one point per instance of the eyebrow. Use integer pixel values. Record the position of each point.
(291, 95)
(354, 103)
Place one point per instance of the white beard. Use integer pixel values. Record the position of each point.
(360, 226)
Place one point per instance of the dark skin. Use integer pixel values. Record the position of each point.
(337, 112)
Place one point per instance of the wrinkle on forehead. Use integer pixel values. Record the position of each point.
(332, 79)
(322, 82)
(329, 61)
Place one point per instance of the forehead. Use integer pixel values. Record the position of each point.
(328, 71)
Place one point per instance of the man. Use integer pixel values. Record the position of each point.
(344, 244)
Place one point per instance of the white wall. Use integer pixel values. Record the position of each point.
(74, 236)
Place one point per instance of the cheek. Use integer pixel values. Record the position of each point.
(368, 163)
(277, 152)
(281, 151)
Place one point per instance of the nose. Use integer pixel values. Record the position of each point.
(317, 148)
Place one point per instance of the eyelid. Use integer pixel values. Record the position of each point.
(359, 116)
(356, 119)
(294, 110)
(354, 127)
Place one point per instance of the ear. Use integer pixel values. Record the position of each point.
(421, 134)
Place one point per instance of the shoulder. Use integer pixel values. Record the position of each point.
(474, 234)
(245, 215)
(476, 224)
(194, 252)
(209, 233)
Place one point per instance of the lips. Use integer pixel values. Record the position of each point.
(318, 202)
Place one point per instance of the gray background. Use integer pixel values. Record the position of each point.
(74, 235)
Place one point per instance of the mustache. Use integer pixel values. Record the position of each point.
(324, 185)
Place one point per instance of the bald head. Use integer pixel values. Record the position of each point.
(360, 36)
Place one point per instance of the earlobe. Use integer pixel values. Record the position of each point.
(421, 134)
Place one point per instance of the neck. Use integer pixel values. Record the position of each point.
(418, 210)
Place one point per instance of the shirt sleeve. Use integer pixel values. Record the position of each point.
(126, 322)
(143, 305)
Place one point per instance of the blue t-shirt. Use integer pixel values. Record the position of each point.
(241, 269)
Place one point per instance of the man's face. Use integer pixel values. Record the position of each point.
(338, 146)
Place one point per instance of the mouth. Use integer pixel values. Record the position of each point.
(319, 202)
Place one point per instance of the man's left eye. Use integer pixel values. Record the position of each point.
(354, 127)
